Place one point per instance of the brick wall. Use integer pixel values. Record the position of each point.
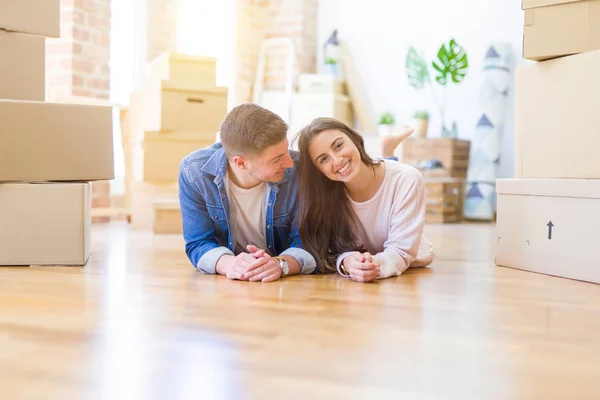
(261, 19)
(77, 64)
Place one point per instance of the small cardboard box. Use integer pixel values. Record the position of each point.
(45, 223)
(22, 66)
(37, 17)
(549, 226)
(143, 196)
(557, 122)
(167, 216)
(157, 157)
(557, 28)
(179, 67)
(176, 106)
(55, 142)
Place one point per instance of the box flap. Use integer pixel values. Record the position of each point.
(179, 86)
(578, 188)
(527, 4)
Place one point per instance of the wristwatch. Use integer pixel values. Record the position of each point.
(283, 264)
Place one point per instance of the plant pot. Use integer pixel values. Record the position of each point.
(421, 126)
(385, 130)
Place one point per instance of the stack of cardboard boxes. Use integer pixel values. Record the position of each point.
(177, 111)
(49, 152)
(547, 216)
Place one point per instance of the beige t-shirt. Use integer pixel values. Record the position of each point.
(246, 207)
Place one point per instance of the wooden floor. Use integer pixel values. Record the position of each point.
(139, 323)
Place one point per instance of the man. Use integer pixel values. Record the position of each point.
(239, 198)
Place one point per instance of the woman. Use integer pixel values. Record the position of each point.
(359, 216)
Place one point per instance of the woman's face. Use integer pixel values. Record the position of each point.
(335, 155)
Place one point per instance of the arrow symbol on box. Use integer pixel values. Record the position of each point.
(550, 225)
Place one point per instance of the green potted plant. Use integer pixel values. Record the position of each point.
(330, 66)
(421, 123)
(386, 124)
(451, 66)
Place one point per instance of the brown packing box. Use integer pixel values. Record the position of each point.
(549, 226)
(143, 196)
(55, 142)
(557, 118)
(22, 66)
(38, 17)
(45, 223)
(556, 28)
(178, 106)
(184, 68)
(158, 155)
(167, 216)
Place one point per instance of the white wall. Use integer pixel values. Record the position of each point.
(378, 34)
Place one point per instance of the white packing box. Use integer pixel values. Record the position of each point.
(557, 118)
(44, 141)
(184, 68)
(45, 223)
(37, 17)
(22, 66)
(557, 28)
(321, 83)
(549, 226)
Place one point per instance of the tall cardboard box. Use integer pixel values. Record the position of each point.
(178, 106)
(143, 196)
(549, 226)
(55, 142)
(557, 28)
(22, 66)
(180, 67)
(45, 223)
(557, 118)
(37, 17)
(157, 156)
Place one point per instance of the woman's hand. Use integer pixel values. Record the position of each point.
(361, 267)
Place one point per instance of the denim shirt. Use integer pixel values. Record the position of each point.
(205, 212)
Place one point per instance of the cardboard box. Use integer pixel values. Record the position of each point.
(444, 199)
(321, 83)
(549, 226)
(45, 223)
(176, 106)
(37, 17)
(308, 106)
(557, 28)
(22, 66)
(157, 157)
(181, 67)
(167, 217)
(557, 123)
(55, 142)
(143, 196)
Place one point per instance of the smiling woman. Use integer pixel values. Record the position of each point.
(359, 216)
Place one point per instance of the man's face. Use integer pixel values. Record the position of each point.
(270, 165)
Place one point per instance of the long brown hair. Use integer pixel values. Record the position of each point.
(327, 222)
